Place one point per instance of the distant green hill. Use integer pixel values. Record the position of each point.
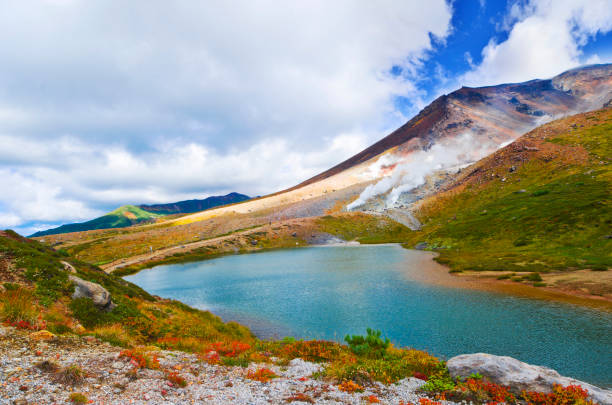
(121, 217)
(128, 215)
(189, 206)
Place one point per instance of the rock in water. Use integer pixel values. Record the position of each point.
(517, 375)
(98, 294)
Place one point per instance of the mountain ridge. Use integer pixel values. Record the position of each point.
(128, 215)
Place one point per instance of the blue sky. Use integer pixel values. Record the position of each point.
(105, 103)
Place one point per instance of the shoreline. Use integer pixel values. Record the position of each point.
(439, 274)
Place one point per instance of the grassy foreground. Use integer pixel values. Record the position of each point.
(542, 203)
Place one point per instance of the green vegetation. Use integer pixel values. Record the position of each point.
(364, 228)
(552, 213)
(369, 346)
(126, 215)
(78, 398)
(41, 299)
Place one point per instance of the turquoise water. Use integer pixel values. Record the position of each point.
(327, 292)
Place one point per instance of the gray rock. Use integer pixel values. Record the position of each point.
(98, 294)
(421, 246)
(517, 375)
(69, 267)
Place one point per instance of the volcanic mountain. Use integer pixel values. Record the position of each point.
(463, 126)
(452, 132)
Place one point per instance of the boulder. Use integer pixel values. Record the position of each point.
(517, 375)
(98, 294)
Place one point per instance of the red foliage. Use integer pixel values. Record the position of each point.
(301, 397)
(350, 386)
(140, 360)
(372, 399)
(570, 395)
(175, 379)
(420, 376)
(40, 325)
(232, 349)
(262, 375)
(485, 389)
(427, 401)
(167, 342)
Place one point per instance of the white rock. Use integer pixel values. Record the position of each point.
(300, 368)
(517, 375)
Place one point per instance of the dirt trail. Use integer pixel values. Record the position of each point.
(298, 227)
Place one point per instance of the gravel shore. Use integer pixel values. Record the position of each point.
(111, 379)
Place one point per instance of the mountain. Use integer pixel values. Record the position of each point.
(457, 129)
(492, 115)
(128, 215)
(189, 206)
(541, 203)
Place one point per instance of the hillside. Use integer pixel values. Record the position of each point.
(39, 289)
(541, 204)
(129, 215)
(126, 215)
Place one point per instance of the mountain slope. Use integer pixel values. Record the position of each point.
(465, 125)
(129, 215)
(542, 203)
(126, 215)
(492, 115)
(38, 288)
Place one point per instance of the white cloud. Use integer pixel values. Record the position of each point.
(545, 39)
(108, 102)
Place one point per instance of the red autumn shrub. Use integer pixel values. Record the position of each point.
(420, 376)
(427, 401)
(372, 399)
(232, 349)
(570, 395)
(262, 375)
(484, 390)
(175, 379)
(140, 359)
(350, 386)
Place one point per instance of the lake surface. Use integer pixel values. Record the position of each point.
(328, 292)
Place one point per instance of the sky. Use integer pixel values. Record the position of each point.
(105, 102)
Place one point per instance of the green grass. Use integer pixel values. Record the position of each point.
(46, 290)
(364, 228)
(126, 215)
(560, 221)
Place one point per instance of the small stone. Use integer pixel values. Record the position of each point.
(42, 335)
(117, 365)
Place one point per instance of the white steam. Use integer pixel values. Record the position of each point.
(414, 168)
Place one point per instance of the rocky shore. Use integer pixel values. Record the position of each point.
(39, 368)
(30, 373)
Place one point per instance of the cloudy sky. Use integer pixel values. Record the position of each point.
(108, 102)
